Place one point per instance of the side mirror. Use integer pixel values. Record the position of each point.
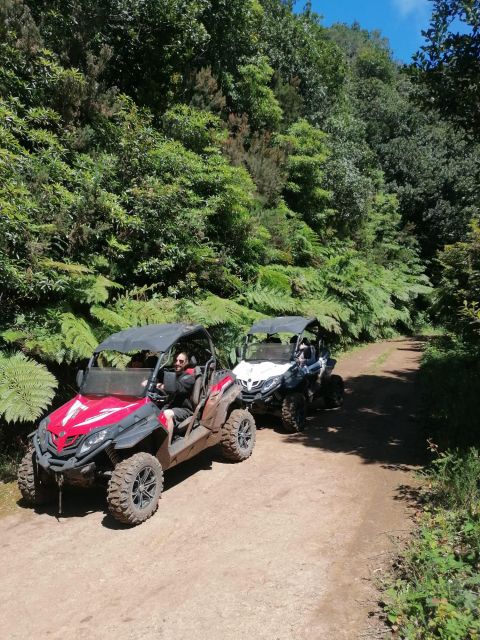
(80, 376)
(170, 382)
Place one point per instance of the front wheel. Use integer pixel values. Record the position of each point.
(135, 488)
(33, 490)
(294, 412)
(238, 436)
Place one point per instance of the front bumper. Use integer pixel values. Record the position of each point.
(71, 465)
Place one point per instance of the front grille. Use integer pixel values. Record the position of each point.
(70, 445)
(255, 386)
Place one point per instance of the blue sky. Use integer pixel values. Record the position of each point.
(401, 21)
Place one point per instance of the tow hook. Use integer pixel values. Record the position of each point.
(59, 478)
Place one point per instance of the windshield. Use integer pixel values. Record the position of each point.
(274, 352)
(108, 381)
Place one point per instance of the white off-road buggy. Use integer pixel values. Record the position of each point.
(285, 368)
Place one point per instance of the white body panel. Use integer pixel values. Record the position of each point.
(251, 373)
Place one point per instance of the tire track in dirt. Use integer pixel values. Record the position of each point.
(285, 546)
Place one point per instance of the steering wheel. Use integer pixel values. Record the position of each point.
(157, 395)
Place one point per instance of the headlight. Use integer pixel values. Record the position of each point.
(42, 431)
(93, 440)
(271, 383)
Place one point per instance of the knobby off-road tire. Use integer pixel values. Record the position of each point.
(334, 392)
(135, 488)
(294, 412)
(33, 490)
(238, 436)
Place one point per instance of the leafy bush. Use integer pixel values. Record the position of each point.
(449, 380)
(436, 591)
(458, 290)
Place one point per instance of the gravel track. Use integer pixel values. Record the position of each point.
(285, 546)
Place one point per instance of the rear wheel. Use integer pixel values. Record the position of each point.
(334, 392)
(34, 491)
(294, 412)
(238, 436)
(135, 488)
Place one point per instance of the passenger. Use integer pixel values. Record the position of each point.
(137, 361)
(305, 353)
(272, 338)
(180, 406)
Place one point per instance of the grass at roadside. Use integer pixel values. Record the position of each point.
(435, 592)
(9, 496)
(11, 452)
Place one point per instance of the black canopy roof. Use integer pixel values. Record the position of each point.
(283, 324)
(150, 337)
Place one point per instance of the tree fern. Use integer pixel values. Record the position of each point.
(78, 335)
(98, 289)
(215, 311)
(68, 267)
(26, 388)
(110, 318)
(267, 300)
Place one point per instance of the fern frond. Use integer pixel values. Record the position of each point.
(26, 388)
(268, 300)
(13, 335)
(140, 312)
(110, 318)
(98, 291)
(49, 346)
(78, 335)
(214, 311)
(68, 267)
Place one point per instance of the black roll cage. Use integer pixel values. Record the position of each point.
(163, 357)
(313, 326)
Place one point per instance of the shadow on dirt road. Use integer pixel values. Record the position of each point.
(377, 422)
(78, 503)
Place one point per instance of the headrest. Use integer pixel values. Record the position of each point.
(193, 361)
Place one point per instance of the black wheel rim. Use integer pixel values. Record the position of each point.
(244, 435)
(144, 487)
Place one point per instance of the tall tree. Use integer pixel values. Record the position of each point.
(450, 60)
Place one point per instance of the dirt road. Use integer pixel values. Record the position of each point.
(285, 546)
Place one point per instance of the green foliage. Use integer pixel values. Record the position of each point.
(436, 590)
(459, 285)
(153, 170)
(307, 152)
(454, 480)
(78, 336)
(195, 129)
(26, 388)
(306, 60)
(437, 593)
(451, 416)
(255, 96)
(449, 61)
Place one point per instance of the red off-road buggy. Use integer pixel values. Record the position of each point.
(114, 431)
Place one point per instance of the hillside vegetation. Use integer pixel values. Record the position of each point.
(216, 161)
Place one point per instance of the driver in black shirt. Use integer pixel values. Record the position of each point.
(180, 405)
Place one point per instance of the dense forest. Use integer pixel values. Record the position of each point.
(214, 161)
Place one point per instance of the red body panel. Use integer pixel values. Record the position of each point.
(82, 414)
(221, 385)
